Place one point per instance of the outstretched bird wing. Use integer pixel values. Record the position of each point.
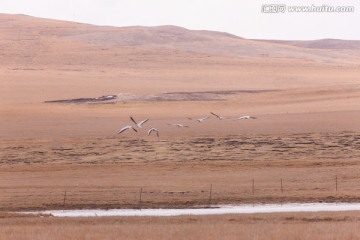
(144, 121)
(126, 128)
(132, 119)
(123, 129)
(215, 115)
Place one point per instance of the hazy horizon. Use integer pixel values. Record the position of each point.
(243, 19)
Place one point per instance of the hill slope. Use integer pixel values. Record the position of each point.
(24, 38)
(307, 83)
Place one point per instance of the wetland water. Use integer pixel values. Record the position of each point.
(213, 210)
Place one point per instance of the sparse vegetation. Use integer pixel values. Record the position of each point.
(305, 226)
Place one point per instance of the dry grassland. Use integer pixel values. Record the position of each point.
(304, 226)
(110, 172)
(307, 101)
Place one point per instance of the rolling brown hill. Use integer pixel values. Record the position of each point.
(30, 40)
(324, 44)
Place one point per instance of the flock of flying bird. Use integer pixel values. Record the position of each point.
(151, 130)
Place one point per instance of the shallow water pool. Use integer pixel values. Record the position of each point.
(213, 210)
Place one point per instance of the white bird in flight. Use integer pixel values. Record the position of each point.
(139, 125)
(153, 130)
(126, 128)
(246, 117)
(178, 125)
(200, 120)
(219, 117)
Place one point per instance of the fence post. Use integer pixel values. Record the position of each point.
(64, 197)
(253, 187)
(140, 194)
(336, 183)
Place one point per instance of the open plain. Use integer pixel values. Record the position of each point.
(303, 146)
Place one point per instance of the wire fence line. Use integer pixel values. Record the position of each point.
(253, 190)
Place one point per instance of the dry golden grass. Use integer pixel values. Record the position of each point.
(307, 226)
(110, 172)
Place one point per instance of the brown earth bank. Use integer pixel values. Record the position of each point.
(340, 225)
